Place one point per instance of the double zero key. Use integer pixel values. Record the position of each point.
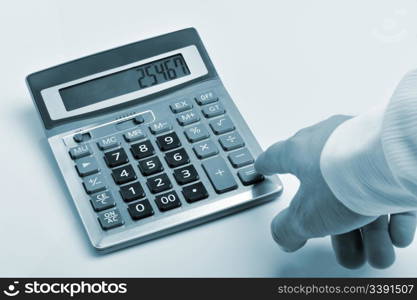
(167, 201)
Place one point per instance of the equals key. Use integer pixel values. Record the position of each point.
(249, 175)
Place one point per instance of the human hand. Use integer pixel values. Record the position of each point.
(315, 212)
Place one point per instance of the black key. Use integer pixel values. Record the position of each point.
(140, 210)
(159, 183)
(150, 166)
(142, 150)
(168, 141)
(177, 158)
(167, 201)
(132, 192)
(123, 174)
(186, 174)
(116, 157)
(194, 192)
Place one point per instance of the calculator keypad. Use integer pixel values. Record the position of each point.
(218, 150)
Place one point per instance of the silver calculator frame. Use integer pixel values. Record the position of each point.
(56, 107)
(175, 220)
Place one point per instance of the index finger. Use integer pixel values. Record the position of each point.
(276, 159)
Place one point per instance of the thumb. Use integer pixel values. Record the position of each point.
(284, 232)
(287, 229)
(276, 159)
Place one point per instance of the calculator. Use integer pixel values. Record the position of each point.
(148, 140)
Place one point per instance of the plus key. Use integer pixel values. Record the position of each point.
(219, 174)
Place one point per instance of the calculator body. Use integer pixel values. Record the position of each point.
(144, 156)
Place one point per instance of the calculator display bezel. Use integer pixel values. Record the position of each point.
(56, 108)
(107, 60)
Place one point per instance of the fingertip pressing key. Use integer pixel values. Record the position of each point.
(263, 164)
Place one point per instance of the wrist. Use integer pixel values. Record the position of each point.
(354, 167)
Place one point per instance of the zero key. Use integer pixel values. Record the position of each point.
(219, 174)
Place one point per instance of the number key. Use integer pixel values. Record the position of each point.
(150, 166)
(116, 157)
(140, 210)
(167, 201)
(186, 174)
(177, 158)
(142, 150)
(132, 192)
(123, 174)
(159, 183)
(168, 141)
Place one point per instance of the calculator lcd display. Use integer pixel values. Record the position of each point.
(123, 82)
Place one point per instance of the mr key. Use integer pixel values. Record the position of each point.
(165, 148)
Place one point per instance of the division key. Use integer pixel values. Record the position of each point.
(219, 174)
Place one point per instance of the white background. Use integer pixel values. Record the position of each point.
(287, 64)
